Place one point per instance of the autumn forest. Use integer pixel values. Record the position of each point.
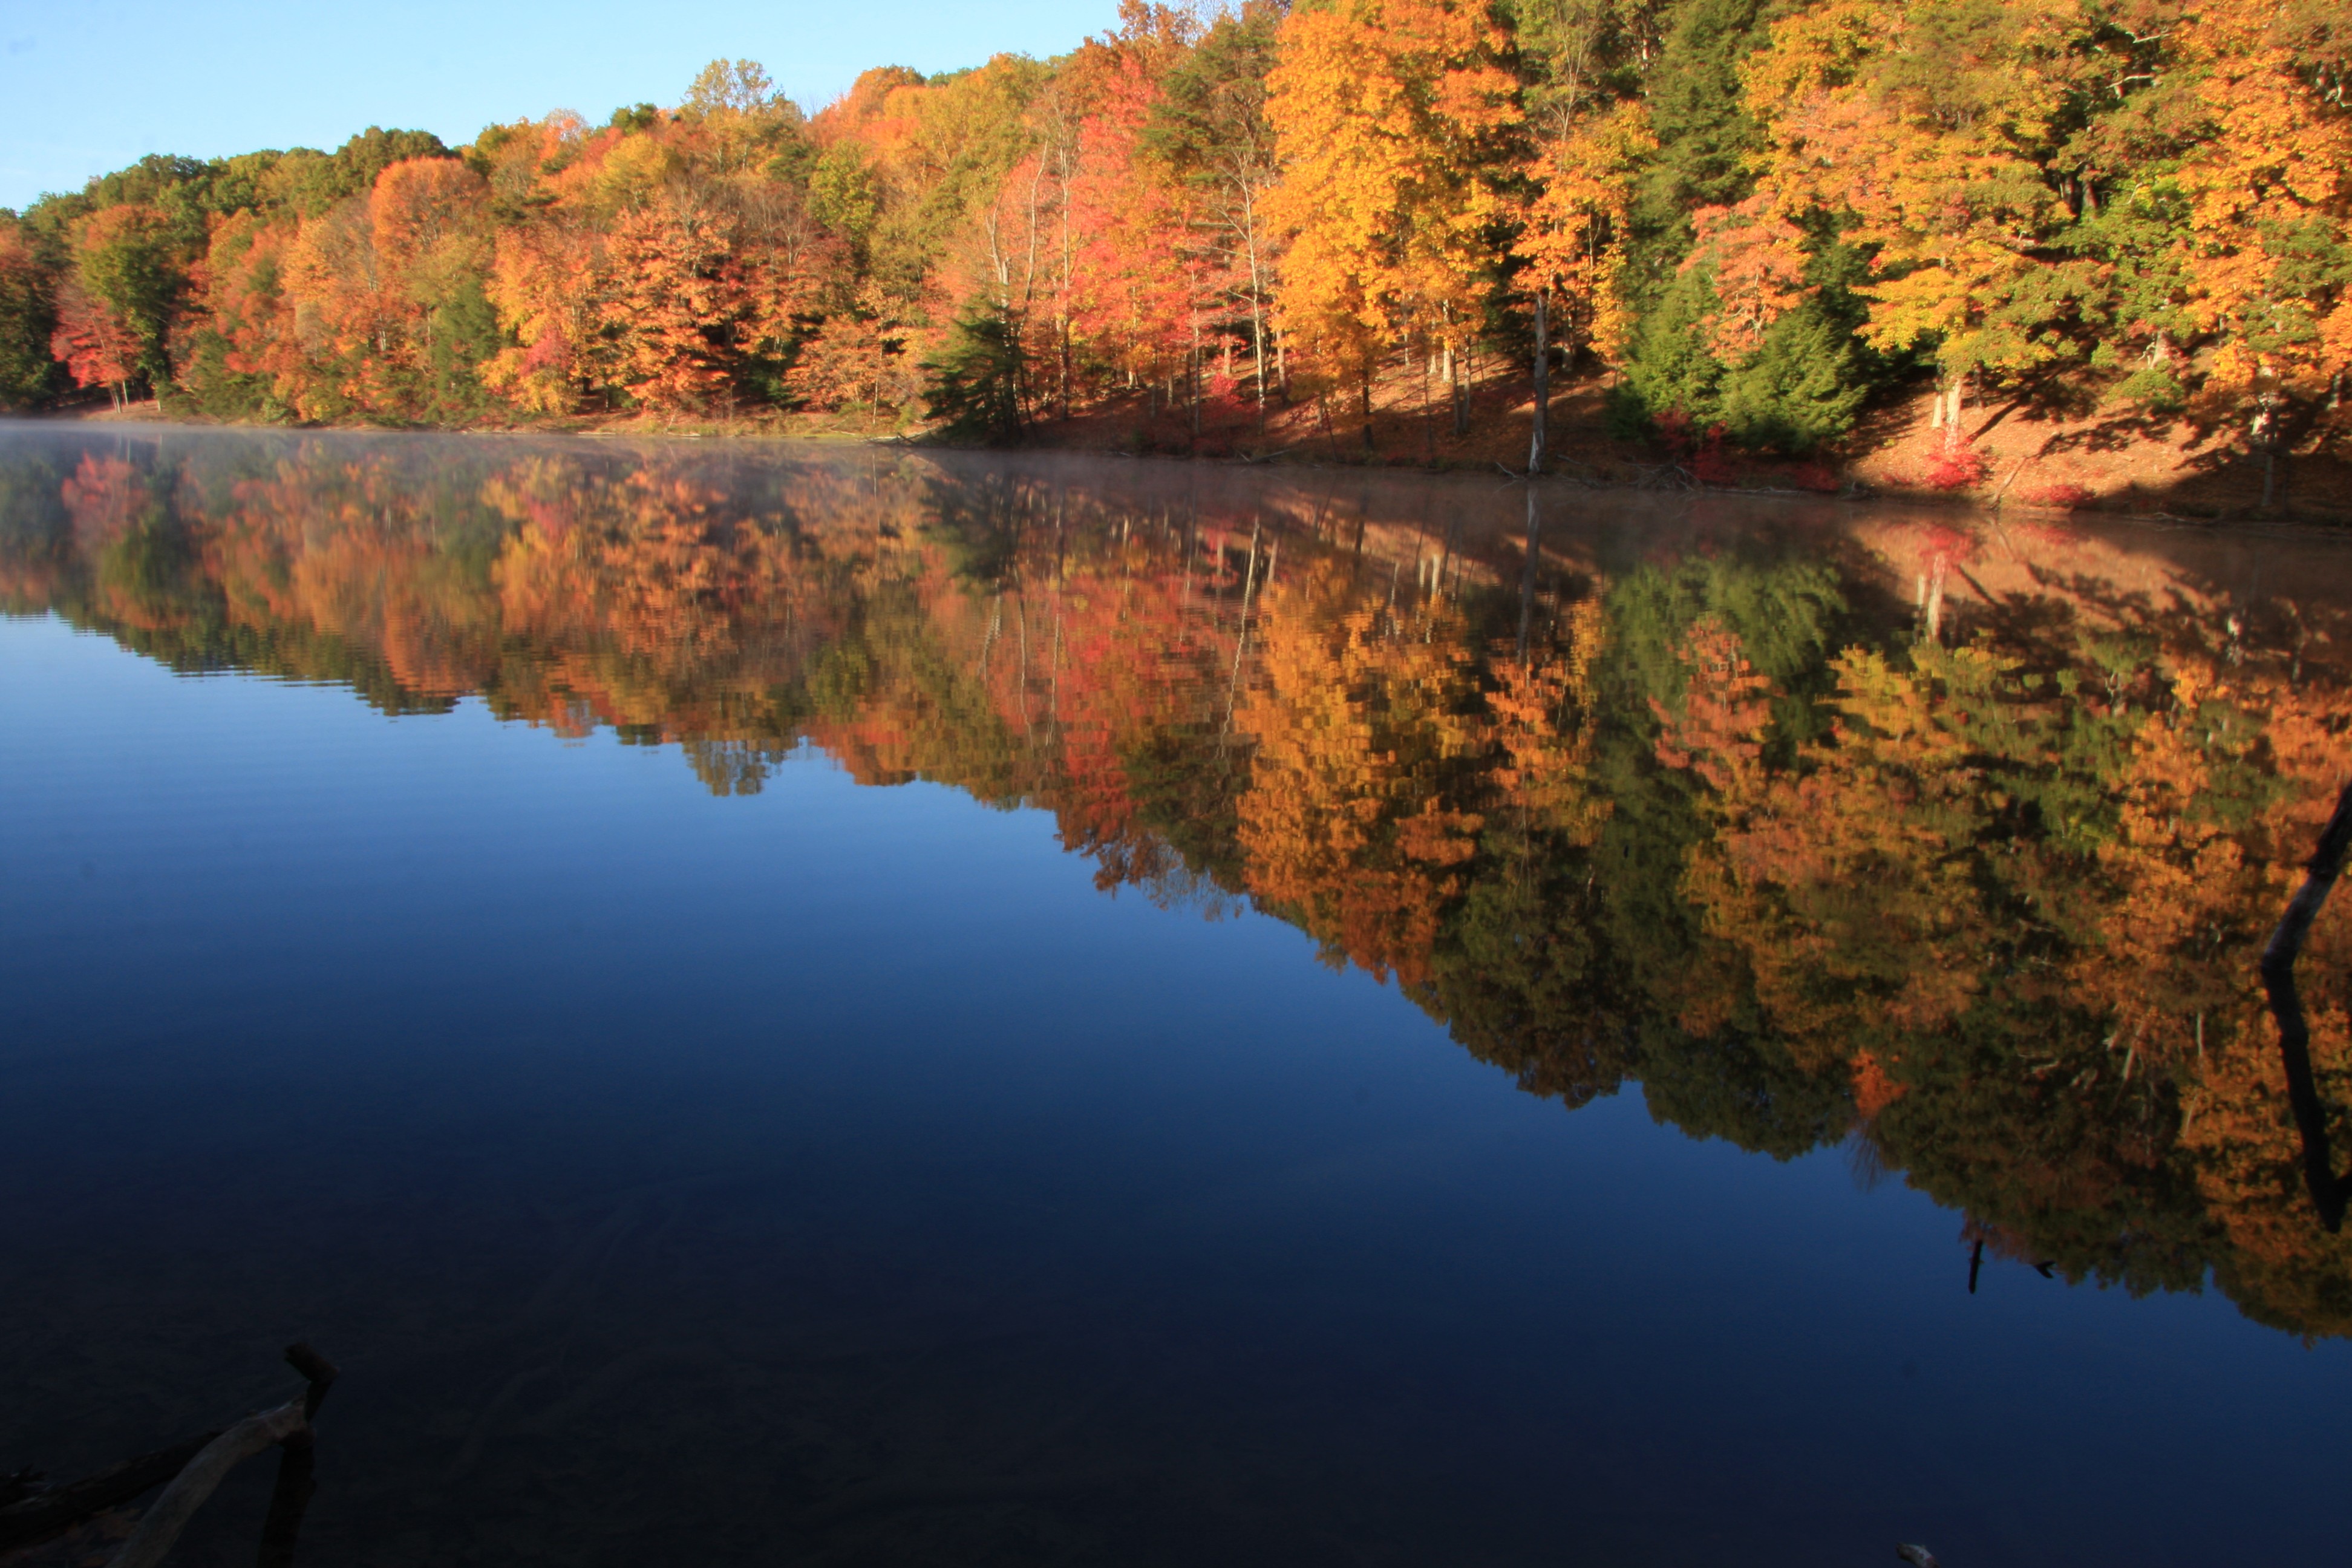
(1743, 223)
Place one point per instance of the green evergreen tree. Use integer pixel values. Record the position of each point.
(1668, 366)
(976, 381)
(27, 316)
(1801, 388)
(1699, 113)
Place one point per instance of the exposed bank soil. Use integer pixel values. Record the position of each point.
(2105, 462)
(2026, 456)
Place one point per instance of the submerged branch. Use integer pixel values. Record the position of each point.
(161, 1525)
(194, 1468)
(2329, 1191)
(50, 1514)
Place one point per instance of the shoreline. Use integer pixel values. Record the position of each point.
(1860, 477)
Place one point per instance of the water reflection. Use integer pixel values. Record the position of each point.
(1956, 841)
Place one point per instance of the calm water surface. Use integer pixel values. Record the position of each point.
(877, 1008)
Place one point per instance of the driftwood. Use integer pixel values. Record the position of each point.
(194, 1468)
(2329, 1192)
(161, 1525)
(46, 1514)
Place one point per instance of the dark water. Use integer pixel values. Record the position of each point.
(873, 1007)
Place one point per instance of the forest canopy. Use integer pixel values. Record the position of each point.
(1751, 216)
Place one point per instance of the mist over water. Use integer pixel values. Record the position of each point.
(870, 1005)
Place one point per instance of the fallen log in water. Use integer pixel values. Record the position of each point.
(188, 1471)
(47, 1514)
(161, 1525)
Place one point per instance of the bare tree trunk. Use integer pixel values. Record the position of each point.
(1428, 419)
(1257, 357)
(1196, 376)
(1457, 393)
(1258, 306)
(1543, 389)
(2266, 437)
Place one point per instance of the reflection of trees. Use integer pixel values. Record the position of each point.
(1737, 828)
(1362, 732)
(1518, 978)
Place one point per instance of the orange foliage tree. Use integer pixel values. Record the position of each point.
(96, 346)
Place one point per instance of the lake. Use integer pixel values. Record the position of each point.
(849, 1005)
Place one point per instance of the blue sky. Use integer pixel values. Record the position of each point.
(91, 85)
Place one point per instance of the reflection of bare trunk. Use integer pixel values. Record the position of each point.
(1934, 608)
(2329, 1192)
(1241, 642)
(1021, 620)
(1528, 575)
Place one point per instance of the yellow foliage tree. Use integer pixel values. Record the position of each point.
(2269, 187)
(1576, 224)
(1387, 116)
(1930, 124)
(1346, 822)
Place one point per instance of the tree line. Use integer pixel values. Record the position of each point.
(1753, 215)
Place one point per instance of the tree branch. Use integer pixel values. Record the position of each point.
(2329, 1192)
(161, 1525)
(52, 1512)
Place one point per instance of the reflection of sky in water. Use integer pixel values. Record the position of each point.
(835, 1172)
